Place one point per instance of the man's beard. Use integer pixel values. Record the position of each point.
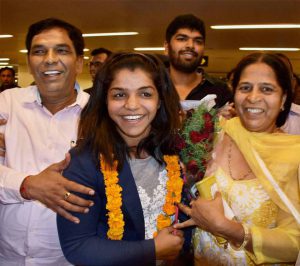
(182, 65)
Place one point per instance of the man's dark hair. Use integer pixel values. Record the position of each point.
(187, 21)
(101, 50)
(74, 33)
(9, 69)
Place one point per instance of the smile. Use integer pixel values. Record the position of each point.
(254, 110)
(132, 117)
(52, 73)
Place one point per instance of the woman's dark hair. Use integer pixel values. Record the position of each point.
(98, 131)
(282, 74)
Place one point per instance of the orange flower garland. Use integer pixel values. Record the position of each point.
(173, 195)
(114, 198)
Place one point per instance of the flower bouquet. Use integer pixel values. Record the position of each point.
(195, 144)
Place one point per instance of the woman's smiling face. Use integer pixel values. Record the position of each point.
(132, 103)
(259, 98)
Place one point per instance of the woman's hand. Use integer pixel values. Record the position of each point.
(206, 214)
(168, 243)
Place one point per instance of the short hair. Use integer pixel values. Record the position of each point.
(101, 50)
(9, 69)
(188, 21)
(74, 33)
(282, 74)
(98, 131)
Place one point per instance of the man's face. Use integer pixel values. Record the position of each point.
(53, 62)
(96, 63)
(185, 50)
(6, 78)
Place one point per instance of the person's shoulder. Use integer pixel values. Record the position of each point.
(215, 80)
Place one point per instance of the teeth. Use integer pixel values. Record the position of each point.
(254, 110)
(132, 117)
(52, 72)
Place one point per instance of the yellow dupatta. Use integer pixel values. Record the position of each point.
(280, 153)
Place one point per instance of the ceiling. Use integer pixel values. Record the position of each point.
(150, 18)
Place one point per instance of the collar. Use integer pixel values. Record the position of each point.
(32, 95)
(295, 108)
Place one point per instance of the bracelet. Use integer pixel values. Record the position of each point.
(23, 190)
(247, 237)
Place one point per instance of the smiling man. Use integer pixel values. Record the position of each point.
(184, 44)
(41, 127)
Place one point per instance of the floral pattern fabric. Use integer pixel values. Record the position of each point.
(251, 205)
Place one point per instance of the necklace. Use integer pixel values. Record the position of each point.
(229, 158)
(114, 197)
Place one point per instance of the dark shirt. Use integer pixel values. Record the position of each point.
(211, 85)
(3, 88)
(89, 90)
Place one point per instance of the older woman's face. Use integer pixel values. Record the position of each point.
(258, 98)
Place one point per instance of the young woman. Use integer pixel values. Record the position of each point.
(126, 155)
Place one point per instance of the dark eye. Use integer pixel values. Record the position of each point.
(267, 89)
(181, 38)
(119, 95)
(146, 94)
(63, 50)
(199, 41)
(244, 88)
(39, 51)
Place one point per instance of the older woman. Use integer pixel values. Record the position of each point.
(263, 230)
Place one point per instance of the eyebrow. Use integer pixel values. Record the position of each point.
(187, 36)
(44, 46)
(141, 88)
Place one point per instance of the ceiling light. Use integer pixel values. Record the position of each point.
(3, 63)
(6, 36)
(86, 49)
(4, 59)
(149, 49)
(268, 49)
(86, 58)
(256, 26)
(109, 34)
(23, 51)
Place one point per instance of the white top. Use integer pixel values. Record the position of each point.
(35, 139)
(292, 124)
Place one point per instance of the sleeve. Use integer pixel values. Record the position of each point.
(286, 235)
(86, 243)
(10, 179)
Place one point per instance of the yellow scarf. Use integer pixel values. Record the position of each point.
(280, 153)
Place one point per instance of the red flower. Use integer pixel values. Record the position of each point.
(192, 167)
(197, 137)
(199, 176)
(179, 142)
(208, 122)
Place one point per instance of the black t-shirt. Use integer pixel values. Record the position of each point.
(211, 85)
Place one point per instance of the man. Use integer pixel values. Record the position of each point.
(184, 44)
(98, 57)
(41, 127)
(7, 78)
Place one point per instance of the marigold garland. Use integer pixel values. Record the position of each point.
(114, 198)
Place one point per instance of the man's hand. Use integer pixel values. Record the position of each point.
(53, 190)
(2, 140)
